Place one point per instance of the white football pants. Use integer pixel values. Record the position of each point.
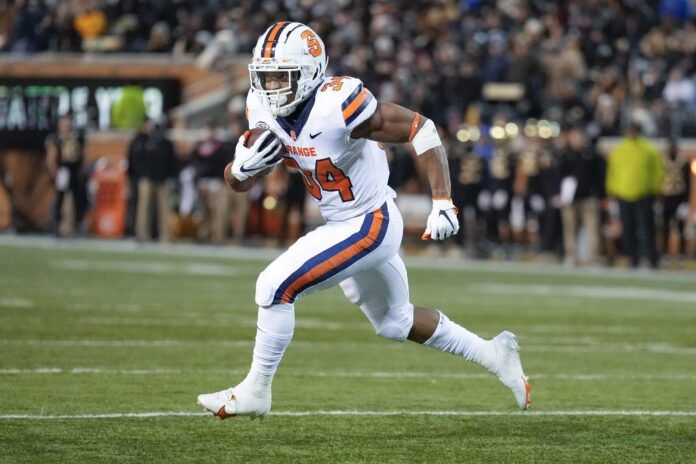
(360, 254)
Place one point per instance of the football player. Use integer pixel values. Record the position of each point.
(330, 128)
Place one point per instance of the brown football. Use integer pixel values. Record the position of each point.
(253, 134)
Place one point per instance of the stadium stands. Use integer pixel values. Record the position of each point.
(505, 81)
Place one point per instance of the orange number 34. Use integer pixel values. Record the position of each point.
(329, 178)
(332, 179)
(312, 43)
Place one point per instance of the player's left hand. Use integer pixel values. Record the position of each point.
(442, 221)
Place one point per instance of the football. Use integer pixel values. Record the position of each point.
(254, 133)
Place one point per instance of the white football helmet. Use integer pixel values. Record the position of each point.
(293, 48)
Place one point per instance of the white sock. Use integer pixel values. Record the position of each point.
(452, 338)
(274, 330)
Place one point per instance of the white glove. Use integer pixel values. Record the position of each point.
(442, 221)
(249, 161)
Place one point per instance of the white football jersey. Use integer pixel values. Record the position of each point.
(346, 177)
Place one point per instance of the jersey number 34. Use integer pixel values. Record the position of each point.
(328, 178)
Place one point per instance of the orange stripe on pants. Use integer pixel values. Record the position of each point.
(337, 259)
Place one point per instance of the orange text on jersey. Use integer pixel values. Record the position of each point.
(300, 151)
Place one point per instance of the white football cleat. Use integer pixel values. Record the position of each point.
(508, 367)
(245, 399)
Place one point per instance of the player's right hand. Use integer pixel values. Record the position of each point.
(442, 221)
(249, 161)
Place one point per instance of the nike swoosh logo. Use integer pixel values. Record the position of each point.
(311, 136)
(243, 169)
(442, 213)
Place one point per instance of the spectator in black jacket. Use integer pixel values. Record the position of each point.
(209, 158)
(675, 200)
(548, 179)
(65, 159)
(581, 186)
(468, 171)
(152, 162)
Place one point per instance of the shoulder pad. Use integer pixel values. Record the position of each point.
(356, 102)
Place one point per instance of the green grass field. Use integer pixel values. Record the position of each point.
(102, 354)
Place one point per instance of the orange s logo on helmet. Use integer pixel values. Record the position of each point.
(312, 43)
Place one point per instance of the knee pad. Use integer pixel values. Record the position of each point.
(395, 323)
(266, 286)
(351, 290)
(277, 320)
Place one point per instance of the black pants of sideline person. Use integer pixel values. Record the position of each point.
(78, 189)
(638, 225)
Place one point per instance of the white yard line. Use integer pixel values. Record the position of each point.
(266, 255)
(84, 343)
(87, 370)
(332, 325)
(301, 323)
(589, 347)
(647, 347)
(465, 376)
(16, 303)
(132, 247)
(329, 325)
(166, 322)
(348, 374)
(150, 267)
(147, 415)
(319, 324)
(77, 306)
(486, 413)
(557, 329)
(584, 291)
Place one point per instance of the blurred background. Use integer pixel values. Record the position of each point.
(570, 126)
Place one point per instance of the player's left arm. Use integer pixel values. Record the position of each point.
(391, 123)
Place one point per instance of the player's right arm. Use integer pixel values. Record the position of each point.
(391, 123)
(255, 157)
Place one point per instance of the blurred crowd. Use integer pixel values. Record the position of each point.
(522, 90)
(565, 199)
(555, 198)
(593, 61)
(168, 195)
